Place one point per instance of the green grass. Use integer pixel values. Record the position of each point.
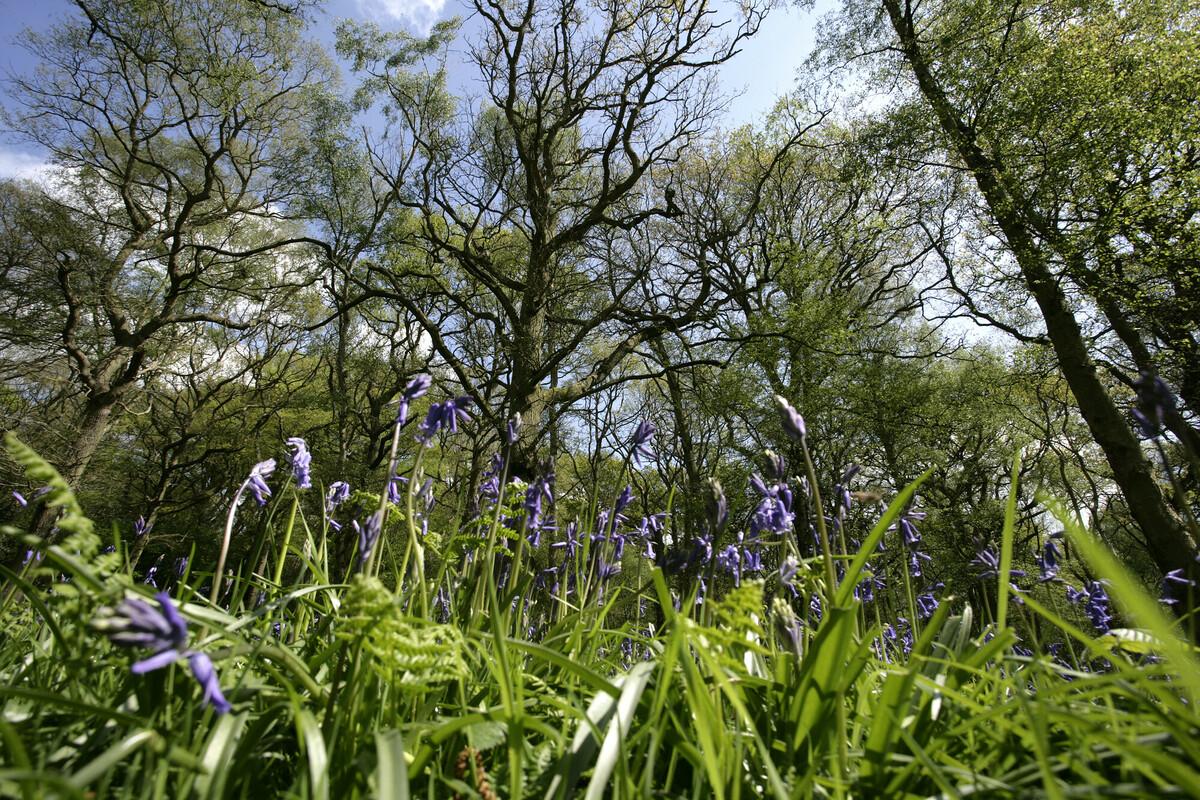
(361, 694)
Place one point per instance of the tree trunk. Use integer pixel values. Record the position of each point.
(1169, 543)
(92, 427)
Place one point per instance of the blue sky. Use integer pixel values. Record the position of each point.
(760, 74)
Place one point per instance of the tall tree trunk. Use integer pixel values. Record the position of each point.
(93, 424)
(1169, 543)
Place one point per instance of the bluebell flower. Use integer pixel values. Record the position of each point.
(257, 483)
(445, 415)
(206, 675)
(608, 571)
(1172, 582)
(570, 540)
(914, 563)
(642, 452)
(368, 535)
(417, 387)
(1095, 604)
(513, 430)
(793, 423)
(164, 631)
(140, 528)
(788, 570)
(927, 603)
(20, 498)
(1048, 562)
(301, 462)
(776, 467)
(730, 560)
(814, 605)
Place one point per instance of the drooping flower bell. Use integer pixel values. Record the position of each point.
(301, 462)
(793, 423)
(136, 623)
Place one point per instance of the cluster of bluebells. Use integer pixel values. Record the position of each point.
(163, 631)
(1094, 600)
(444, 416)
(912, 541)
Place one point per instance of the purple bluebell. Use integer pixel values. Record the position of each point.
(140, 528)
(776, 467)
(181, 565)
(513, 430)
(1048, 562)
(1095, 604)
(446, 416)
(927, 603)
(257, 482)
(301, 462)
(206, 675)
(642, 452)
(538, 493)
(870, 586)
(1175, 582)
(394, 495)
(608, 571)
(570, 540)
(914, 563)
(814, 605)
(368, 535)
(793, 423)
(788, 570)
(909, 532)
(417, 387)
(730, 560)
(20, 498)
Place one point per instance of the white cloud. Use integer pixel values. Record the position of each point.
(24, 166)
(419, 15)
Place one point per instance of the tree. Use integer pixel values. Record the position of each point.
(173, 127)
(547, 211)
(1081, 163)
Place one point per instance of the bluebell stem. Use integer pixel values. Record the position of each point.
(642, 452)
(301, 462)
(793, 423)
(1172, 582)
(417, 387)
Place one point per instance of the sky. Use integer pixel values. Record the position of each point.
(765, 69)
